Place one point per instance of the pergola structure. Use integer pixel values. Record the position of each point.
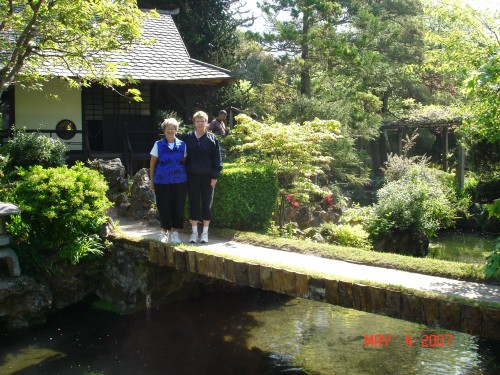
(402, 127)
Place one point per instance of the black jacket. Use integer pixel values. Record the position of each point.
(203, 154)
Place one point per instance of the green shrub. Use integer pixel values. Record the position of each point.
(470, 185)
(62, 212)
(345, 235)
(412, 203)
(27, 149)
(245, 196)
(296, 151)
(415, 197)
(492, 268)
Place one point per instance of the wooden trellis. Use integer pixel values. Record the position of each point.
(443, 126)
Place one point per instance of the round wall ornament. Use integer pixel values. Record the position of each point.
(66, 129)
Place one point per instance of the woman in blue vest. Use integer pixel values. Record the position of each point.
(169, 181)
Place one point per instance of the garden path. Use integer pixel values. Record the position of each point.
(337, 269)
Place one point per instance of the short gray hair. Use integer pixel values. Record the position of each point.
(169, 121)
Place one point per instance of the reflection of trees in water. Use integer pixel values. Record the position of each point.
(461, 247)
(238, 332)
(326, 339)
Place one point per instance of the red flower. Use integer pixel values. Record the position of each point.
(295, 204)
(329, 199)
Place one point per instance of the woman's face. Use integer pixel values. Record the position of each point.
(200, 124)
(170, 131)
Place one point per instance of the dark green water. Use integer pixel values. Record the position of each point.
(244, 332)
(466, 247)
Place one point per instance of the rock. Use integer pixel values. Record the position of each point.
(491, 225)
(129, 278)
(305, 218)
(141, 197)
(71, 284)
(406, 242)
(310, 232)
(318, 238)
(107, 228)
(122, 204)
(114, 173)
(23, 302)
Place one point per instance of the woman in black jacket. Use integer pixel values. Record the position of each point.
(203, 166)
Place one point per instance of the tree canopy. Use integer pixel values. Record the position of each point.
(368, 42)
(462, 60)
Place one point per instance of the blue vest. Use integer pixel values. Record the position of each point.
(169, 167)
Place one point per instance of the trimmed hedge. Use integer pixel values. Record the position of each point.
(245, 197)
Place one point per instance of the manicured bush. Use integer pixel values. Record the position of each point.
(27, 149)
(345, 235)
(412, 203)
(62, 212)
(245, 196)
(415, 198)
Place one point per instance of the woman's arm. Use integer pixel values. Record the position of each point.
(152, 167)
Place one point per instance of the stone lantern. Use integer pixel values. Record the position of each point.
(6, 253)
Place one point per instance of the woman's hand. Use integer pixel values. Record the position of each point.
(213, 182)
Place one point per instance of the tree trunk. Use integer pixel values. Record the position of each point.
(305, 73)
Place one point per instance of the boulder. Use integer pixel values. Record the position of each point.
(70, 284)
(114, 173)
(407, 242)
(23, 302)
(305, 218)
(142, 200)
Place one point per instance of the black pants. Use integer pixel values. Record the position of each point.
(199, 187)
(170, 200)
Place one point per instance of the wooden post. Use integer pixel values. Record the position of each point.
(231, 118)
(460, 173)
(444, 133)
(400, 141)
(386, 142)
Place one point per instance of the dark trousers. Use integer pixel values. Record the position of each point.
(199, 187)
(170, 200)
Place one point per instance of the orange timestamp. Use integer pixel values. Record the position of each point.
(430, 340)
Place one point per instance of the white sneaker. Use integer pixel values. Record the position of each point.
(204, 238)
(163, 237)
(175, 238)
(193, 238)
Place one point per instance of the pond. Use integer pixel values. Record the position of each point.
(459, 246)
(244, 332)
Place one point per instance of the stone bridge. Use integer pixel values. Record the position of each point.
(460, 315)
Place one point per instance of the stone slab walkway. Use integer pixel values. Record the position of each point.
(336, 268)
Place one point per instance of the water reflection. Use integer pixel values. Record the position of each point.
(250, 332)
(466, 247)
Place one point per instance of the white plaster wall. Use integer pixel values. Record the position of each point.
(40, 109)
